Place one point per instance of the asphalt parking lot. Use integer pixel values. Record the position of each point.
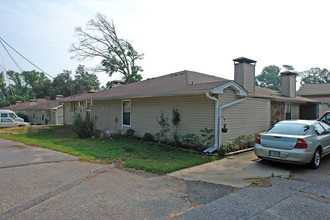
(37, 183)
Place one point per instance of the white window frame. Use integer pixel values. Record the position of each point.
(122, 113)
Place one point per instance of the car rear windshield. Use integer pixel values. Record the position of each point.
(290, 129)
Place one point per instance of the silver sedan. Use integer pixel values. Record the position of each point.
(296, 141)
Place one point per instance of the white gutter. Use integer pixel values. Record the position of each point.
(218, 113)
(216, 125)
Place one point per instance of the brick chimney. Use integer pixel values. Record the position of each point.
(116, 83)
(59, 97)
(245, 70)
(288, 83)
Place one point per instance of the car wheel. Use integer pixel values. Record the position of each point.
(315, 163)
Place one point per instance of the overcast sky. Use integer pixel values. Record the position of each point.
(174, 35)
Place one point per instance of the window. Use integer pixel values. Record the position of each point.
(319, 130)
(33, 115)
(291, 129)
(88, 111)
(42, 117)
(326, 127)
(6, 120)
(287, 111)
(127, 113)
(4, 115)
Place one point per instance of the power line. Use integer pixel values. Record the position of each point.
(12, 58)
(25, 58)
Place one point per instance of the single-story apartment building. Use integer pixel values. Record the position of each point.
(46, 113)
(203, 101)
(320, 93)
(22, 107)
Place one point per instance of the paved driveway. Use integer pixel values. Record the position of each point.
(37, 183)
(306, 195)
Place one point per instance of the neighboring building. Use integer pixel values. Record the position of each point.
(200, 99)
(320, 93)
(22, 107)
(49, 112)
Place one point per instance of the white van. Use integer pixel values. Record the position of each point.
(8, 118)
(10, 114)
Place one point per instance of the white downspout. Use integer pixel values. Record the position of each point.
(220, 113)
(216, 124)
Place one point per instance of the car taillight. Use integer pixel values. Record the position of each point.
(257, 140)
(301, 143)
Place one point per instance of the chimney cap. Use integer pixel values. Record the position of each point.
(244, 60)
(288, 73)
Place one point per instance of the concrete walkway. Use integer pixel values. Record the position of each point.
(236, 171)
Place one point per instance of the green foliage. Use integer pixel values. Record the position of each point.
(84, 81)
(315, 75)
(148, 137)
(22, 115)
(175, 116)
(83, 128)
(190, 140)
(242, 142)
(207, 136)
(62, 83)
(270, 78)
(164, 127)
(130, 132)
(100, 39)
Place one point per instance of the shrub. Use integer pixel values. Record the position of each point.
(130, 132)
(22, 115)
(83, 128)
(165, 127)
(148, 137)
(207, 136)
(190, 140)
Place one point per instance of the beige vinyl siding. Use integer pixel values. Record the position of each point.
(38, 116)
(248, 117)
(107, 115)
(196, 113)
(68, 114)
(323, 108)
(60, 115)
(295, 111)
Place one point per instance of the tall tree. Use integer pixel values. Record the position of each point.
(270, 78)
(85, 81)
(3, 91)
(100, 39)
(315, 75)
(39, 83)
(62, 83)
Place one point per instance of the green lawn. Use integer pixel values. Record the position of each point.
(134, 154)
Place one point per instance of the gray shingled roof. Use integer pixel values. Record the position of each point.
(277, 96)
(315, 89)
(183, 82)
(25, 105)
(179, 82)
(46, 105)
